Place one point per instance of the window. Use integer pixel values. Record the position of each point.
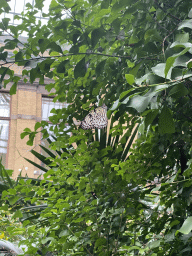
(18, 6)
(4, 125)
(47, 105)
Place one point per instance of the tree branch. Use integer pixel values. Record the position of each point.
(169, 14)
(163, 44)
(73, 54)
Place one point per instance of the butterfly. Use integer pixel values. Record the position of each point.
(96, 119)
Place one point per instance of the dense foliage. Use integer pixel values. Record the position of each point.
(96, 199)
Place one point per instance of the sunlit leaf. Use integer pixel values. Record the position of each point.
(187, 226)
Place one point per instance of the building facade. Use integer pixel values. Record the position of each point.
(22, 110)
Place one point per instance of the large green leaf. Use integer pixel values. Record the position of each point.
(159, 70)
(166, 123)
(178, 90)
(150, 117)
(130, 78)
(96, 35)
(170, 61)
(187, 226)
(80, 69)
(138, 102)
(36, 165)
(185, 24)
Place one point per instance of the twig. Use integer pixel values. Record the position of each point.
(75, 54)
(163, 44)
(172, 16)
(158, 23)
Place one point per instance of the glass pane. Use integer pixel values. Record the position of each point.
(4, 105)
(4, 134)
(47, 105)
(46, 6)
(18, 7)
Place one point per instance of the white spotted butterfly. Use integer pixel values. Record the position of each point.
(97, 118)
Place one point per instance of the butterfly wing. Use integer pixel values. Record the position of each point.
(96, 118)
(87, 122)
(100, 119)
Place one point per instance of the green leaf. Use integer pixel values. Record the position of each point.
(100, 67)
(19, 56)
(150, 117)
(36, 165)
(178, 91)
(37, 126)
(100, 241)
(74, 49)
(3, 170)
(48, 151)
(53, 5)
(11, 44)
(3, 56)
(54, 47)
(135, 70)
(185, 24)
(31, 63)
(42, 158)
(96, 35)
(43, 43)
(13, 199)
(190, 13)
(115, 105)
(13, 89)
(138, 102)
(3, 71)
(23, 135)
(118, 6)
(170, 61)
(152, 35)
(116, 24)
(105, 4)
(4, 5)
(5, 22)
(181, 45)
(182, 38)
(166, 123)
(64, 233)
(130, 78)
(80, 69)
(18, 214)
(47, 239)
(159, 70)
(30, 142)
(189, 64)
(27, 130)
(123, 94)
(35, 73)
(154, 244)
(61, 67)
(169, 64)
(187, 226)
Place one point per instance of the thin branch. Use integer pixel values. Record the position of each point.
(75, 54)
(5, 30)
(158, 23)
(163, 44)
(169, 14)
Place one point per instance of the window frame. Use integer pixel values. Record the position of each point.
(7, 119)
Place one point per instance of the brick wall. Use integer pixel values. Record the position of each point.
(25, 111)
